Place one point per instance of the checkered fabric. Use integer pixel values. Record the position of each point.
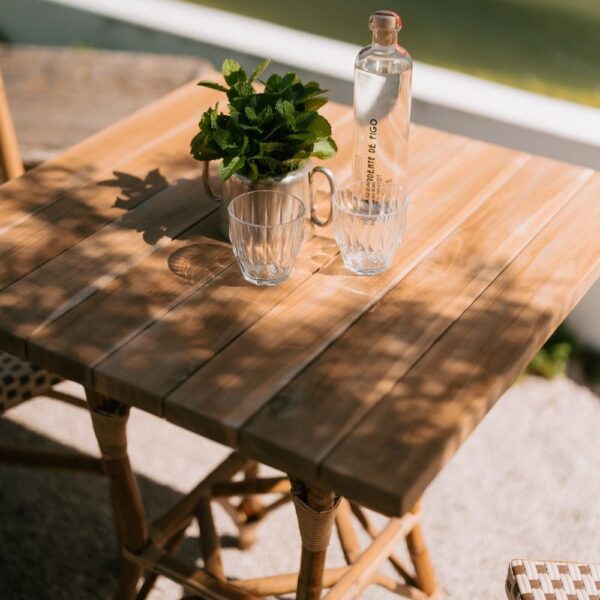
(20, 381)
(549, 580)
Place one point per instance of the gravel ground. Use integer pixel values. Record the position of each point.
(524, 484)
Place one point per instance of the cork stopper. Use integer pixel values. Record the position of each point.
(385, 25)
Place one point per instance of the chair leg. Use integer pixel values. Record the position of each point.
(315, 509)
(128, 581)
(109, 419)
(10, 157)
(419, 555)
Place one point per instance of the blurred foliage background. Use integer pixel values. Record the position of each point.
(547, 46)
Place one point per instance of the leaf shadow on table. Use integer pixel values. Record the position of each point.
(57, 536)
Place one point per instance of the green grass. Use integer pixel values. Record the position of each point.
(547, 46)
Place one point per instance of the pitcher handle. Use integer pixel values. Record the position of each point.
(206, 182)
(313, 211)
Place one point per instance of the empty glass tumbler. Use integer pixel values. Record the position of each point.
(369, 231)
(266, 228)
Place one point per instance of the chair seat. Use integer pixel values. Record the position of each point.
(552, 580)
(20, 381)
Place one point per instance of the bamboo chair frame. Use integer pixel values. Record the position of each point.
(148, 548)
(12, 166)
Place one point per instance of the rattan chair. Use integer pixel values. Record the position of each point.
(552, 580)
(20, 380)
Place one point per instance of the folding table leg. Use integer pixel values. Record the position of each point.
(315, 509)
(109, 419)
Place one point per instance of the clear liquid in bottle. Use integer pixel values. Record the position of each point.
(382, 96)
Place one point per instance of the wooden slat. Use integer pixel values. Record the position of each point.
(216, 314)
(36, 240)
(95, 157)
(166, 353)
(387, 461)
(221, 396)
(335, 392)
(97, 260)
(98, 325)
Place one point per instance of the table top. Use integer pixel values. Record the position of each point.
(113, 275)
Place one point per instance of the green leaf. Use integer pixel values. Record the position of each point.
(246, 127)
(305, 136)
(259, 69)
(274, 146)
(306, 118)
(253, 170)
(273, 83)
(266, 114)
(213, 116)
(233, 71)
(303, 154)
(231, 166)
(213, 85)
(311, 89)
(251, 114)
(315, 103)
(294, 163)
(288, 80)
(320, 127)
(285, 108)
(325, 148)
(223, 138)
(243, 88)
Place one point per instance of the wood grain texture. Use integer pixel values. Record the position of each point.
(388, 459)
(200, 324)
(215, 315)
(58, 285)
(116, 309)
(221, 396)
(36, 240)
(333, 393)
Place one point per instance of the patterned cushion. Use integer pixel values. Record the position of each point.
(548, 580)
(20, 380)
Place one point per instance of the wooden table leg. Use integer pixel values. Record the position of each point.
(209, 540)
(314, 548)
(252, 507)
(419, 555)
(109, 419)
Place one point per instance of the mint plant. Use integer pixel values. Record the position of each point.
(265, 133)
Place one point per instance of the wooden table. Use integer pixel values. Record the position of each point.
(113, 275)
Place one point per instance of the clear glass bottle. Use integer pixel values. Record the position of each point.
(382, 95)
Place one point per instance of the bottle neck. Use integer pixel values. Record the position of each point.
(385, 38)
(381, 49)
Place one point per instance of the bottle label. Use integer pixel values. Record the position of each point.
(379, 135)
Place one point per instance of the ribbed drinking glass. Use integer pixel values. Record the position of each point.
(369, 231)
(266, 228)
